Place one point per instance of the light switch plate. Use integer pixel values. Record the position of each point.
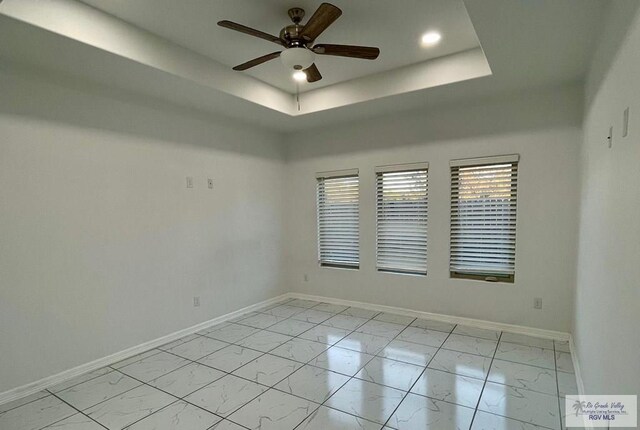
(210, 183)
(189, 182)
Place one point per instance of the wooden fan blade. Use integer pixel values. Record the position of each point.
(256, 61)
(250, 31)
(364, 52)
(313, 74)
(321, 19)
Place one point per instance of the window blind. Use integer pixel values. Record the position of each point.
(402, 218)
(338, 219)
(483, 217)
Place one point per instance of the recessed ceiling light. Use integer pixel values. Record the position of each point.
(299, 76)
(431, 38)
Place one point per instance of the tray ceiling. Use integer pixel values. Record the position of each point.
(172, 52)
(394, 27)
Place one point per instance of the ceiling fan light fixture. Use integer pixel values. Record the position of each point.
(297, 58)
(299, 76)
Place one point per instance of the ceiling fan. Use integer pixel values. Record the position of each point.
(298, 41)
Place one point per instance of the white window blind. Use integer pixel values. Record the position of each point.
(483, 217)
(402, 218)
(338, 219)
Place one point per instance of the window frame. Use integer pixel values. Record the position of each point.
(320, 177)
(402, 168)
(487, 276)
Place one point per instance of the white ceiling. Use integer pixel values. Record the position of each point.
(393, 26)
(527, 43)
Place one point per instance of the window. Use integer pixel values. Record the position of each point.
(402, 218)
(338, 219)
(483, 218)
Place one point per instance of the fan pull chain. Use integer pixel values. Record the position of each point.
(298, 96)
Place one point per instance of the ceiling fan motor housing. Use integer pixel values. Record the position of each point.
(291, 35)
(297, 58)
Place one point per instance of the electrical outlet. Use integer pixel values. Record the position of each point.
(196, 302)
(210, 183)
(537, 303)
(189, 182)
(306, 278)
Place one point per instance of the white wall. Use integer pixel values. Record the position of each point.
(607, 308)
(102, 246)
(542, 126)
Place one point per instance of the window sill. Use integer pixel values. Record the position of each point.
(338, 266)
(399, 272)
(494, 279)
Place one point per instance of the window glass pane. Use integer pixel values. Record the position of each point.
(483, 219)
(402, 221)
(338, 221)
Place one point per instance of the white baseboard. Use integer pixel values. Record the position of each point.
(576, 367)
(578, 373)
(49, 381)
(538, 332)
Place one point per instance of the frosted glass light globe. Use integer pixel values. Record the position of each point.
(297, 58)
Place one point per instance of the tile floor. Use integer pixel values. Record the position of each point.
(306, 365)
